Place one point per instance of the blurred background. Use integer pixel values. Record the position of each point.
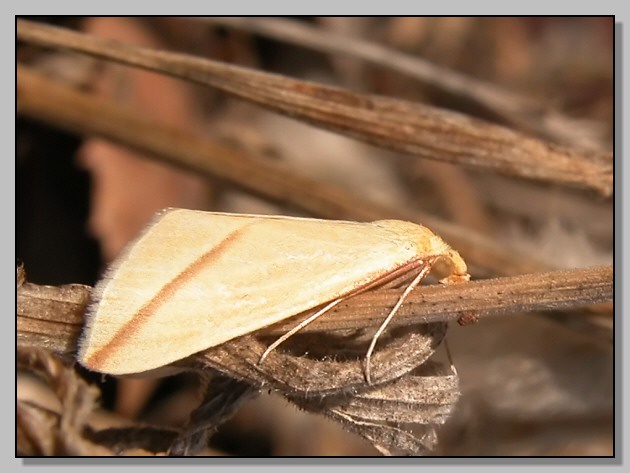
(530, 386)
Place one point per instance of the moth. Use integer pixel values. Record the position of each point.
(193, 280)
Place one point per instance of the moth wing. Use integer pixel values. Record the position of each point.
(196, 279)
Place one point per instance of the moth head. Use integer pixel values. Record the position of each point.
(448, 265)
(451, 268)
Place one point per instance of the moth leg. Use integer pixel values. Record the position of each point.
(299, 327)
(449, 356)
(421, 275)
(400, 281)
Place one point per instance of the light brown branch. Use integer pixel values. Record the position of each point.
(515, 109)
(406, 127)
(52, 317)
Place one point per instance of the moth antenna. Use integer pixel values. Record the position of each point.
(421, 275)
(299, 327)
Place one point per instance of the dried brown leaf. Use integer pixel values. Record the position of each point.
(49, 433)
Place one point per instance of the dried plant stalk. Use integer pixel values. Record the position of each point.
(401, 126)
(515, 109)
(50, 317)
(62, 319)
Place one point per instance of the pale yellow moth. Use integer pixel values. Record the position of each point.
(194, 280)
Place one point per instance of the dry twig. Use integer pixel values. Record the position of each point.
(52, 317)
(402, 126)
(513, 108)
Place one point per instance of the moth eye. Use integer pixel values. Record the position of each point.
(443, 267)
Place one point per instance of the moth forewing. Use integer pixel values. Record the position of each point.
(194, 280)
